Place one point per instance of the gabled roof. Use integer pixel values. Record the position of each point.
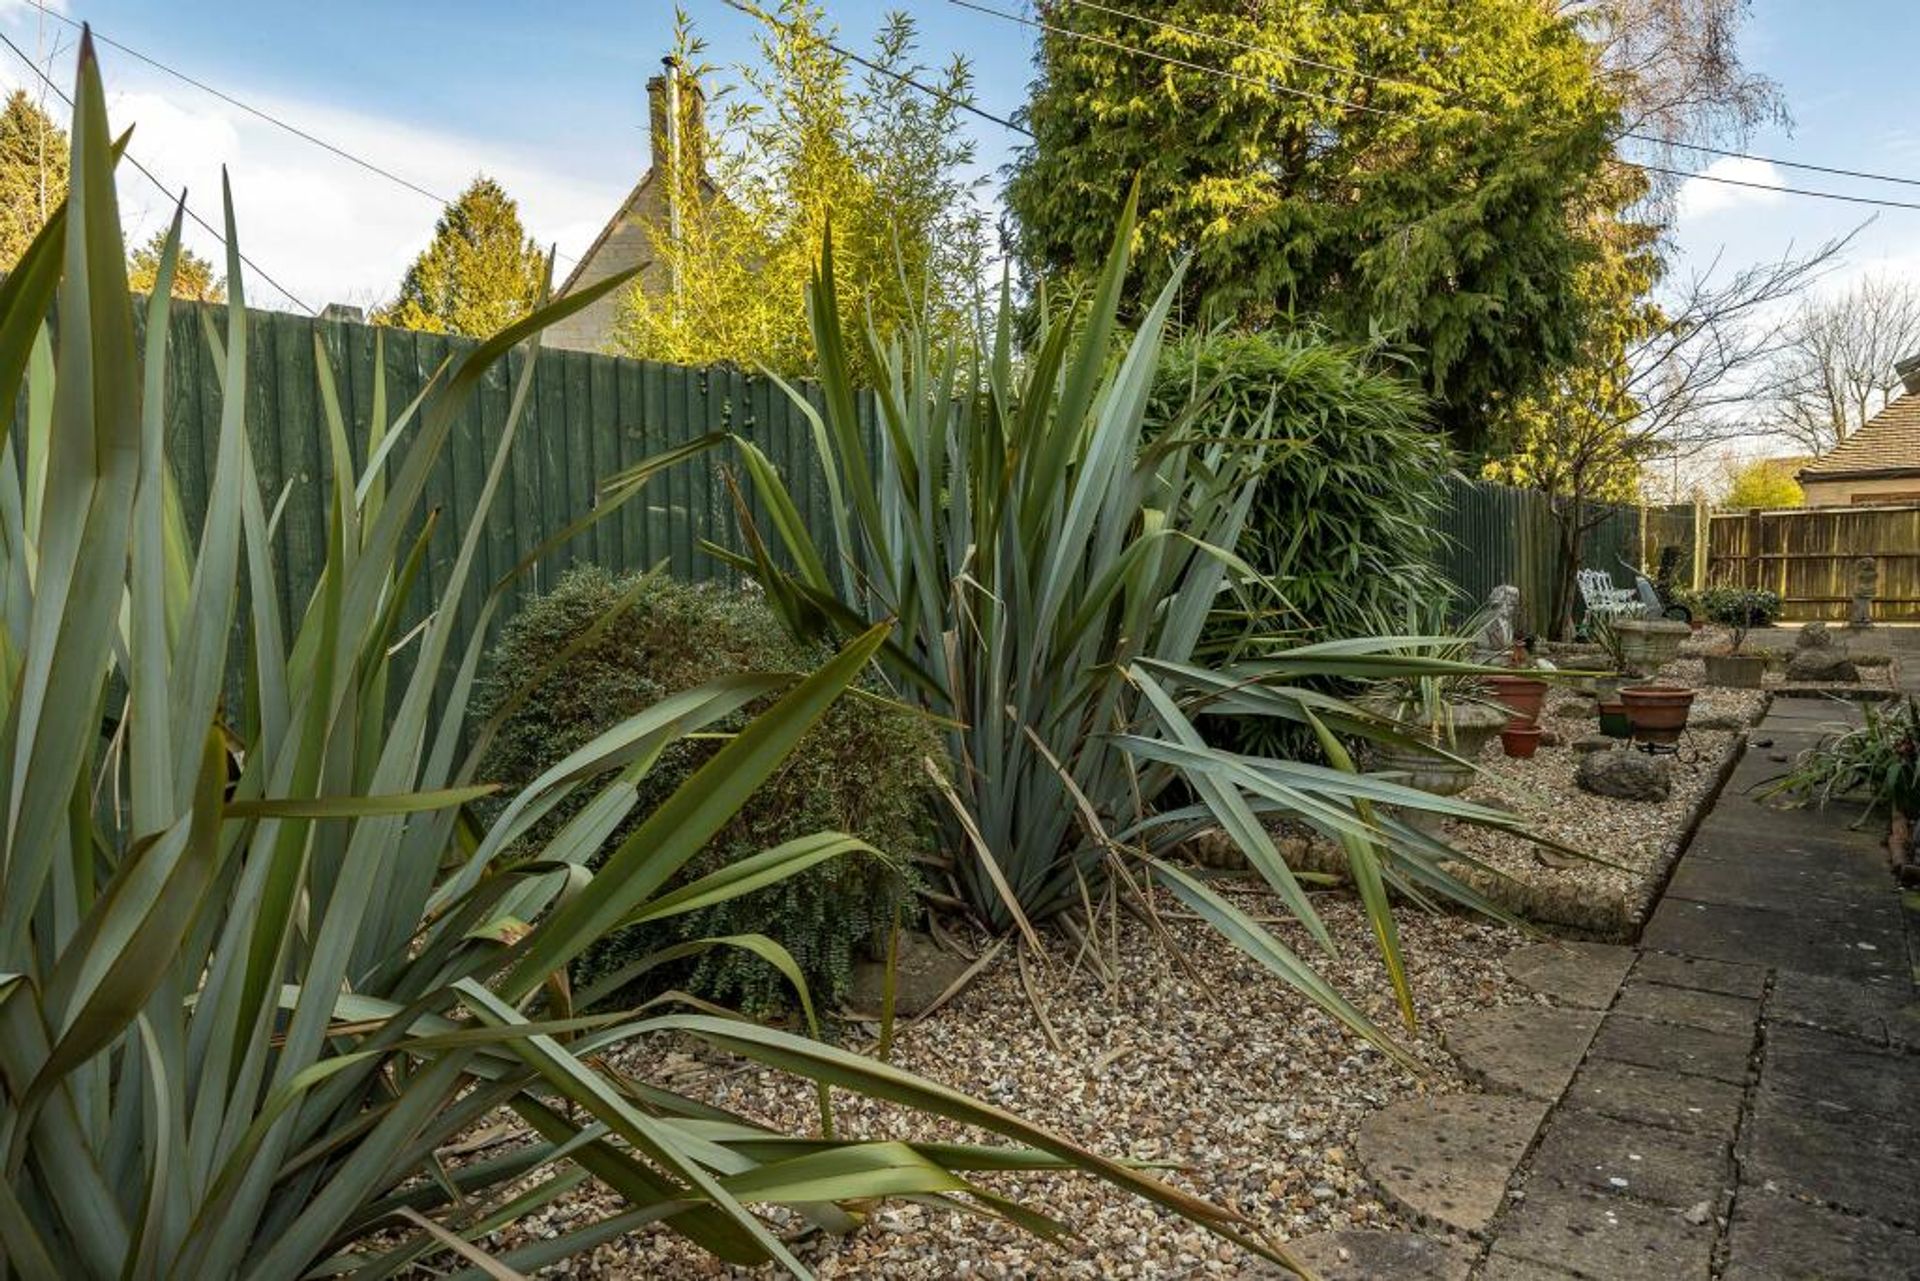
(620, 215)
(1887, 444)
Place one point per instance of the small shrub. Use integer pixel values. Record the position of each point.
(1345, 521)
(858, 771)
(1736, 607)
(1347, 514)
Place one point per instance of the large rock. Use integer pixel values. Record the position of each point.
(1814, 635)
(925, 971)
(1626, 775)
(1822, 663)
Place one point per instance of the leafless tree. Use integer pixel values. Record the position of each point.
(1684, 384)
(1676, 66)
(1835, 368)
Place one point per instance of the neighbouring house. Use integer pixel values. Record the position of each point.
(647, 213)
(1880, 463)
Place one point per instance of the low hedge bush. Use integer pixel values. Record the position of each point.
(1736, 606)
(859, 771)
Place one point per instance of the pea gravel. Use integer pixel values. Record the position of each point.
(1245, 1086)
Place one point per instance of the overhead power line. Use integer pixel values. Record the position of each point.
(961, 104)
(305, 135)
(1249, 46)
(163, 188)
(1272, 86)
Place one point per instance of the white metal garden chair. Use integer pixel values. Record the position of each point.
(1603, 599)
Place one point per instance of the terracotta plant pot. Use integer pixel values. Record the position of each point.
(1735, 671)
(1658, 713)
(1614, 722)
(1521, 695)
(1519, 741)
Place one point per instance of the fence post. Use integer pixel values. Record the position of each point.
(1755, 571)
(1702, 541)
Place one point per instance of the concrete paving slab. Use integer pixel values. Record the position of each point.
(1582, 975)
(1446, 1160)
(1779, 1238)
(1695, 972)
(1620, 1158)
(1839, 1074)
(1864, 1164)
(1607, 1238)
(1370, 1255)
(1674, 1049)
(1521, 1049)
(1881, 1013)
(1504, 1267)
(1827, 889)
(1871, 945)
(1650, 1096)
(1708, 1011)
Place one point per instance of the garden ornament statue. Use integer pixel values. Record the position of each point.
(1502, 629)
(1866, 585)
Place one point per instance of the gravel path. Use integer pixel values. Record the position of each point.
(1251, 1090)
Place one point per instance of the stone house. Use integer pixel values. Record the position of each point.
(1878, 464)
(629, 236)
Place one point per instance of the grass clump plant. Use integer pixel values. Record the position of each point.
(1052, 568)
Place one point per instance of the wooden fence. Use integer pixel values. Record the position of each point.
(1497, 534)
(589, 415)
(1807, 555)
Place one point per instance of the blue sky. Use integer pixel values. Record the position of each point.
(550, 99)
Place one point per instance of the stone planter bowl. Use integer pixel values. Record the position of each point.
(1650, 643)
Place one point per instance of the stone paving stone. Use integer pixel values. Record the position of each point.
(1708, 1011)
(1882, 1013)
(1869, 945)
(1447, 1159)
(1827, 892)
(1367, 1255)
(1839, 1074)
(1582, 975)
(1650, 1096)
(1620, 1158)
(1674, 1049)
(1778, 1238)
(1859, 1162)
(1708, 976)
(1521, 1049)
(1606, 1238)
(1504, 1267)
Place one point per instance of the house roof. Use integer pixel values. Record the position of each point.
(620, 215)
(1887, 444)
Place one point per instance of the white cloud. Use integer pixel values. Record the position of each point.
(327, 229)
(1701, 198)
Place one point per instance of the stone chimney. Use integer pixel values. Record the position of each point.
(693, 118)
(1909, 371)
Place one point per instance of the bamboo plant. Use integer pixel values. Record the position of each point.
(262, 968)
